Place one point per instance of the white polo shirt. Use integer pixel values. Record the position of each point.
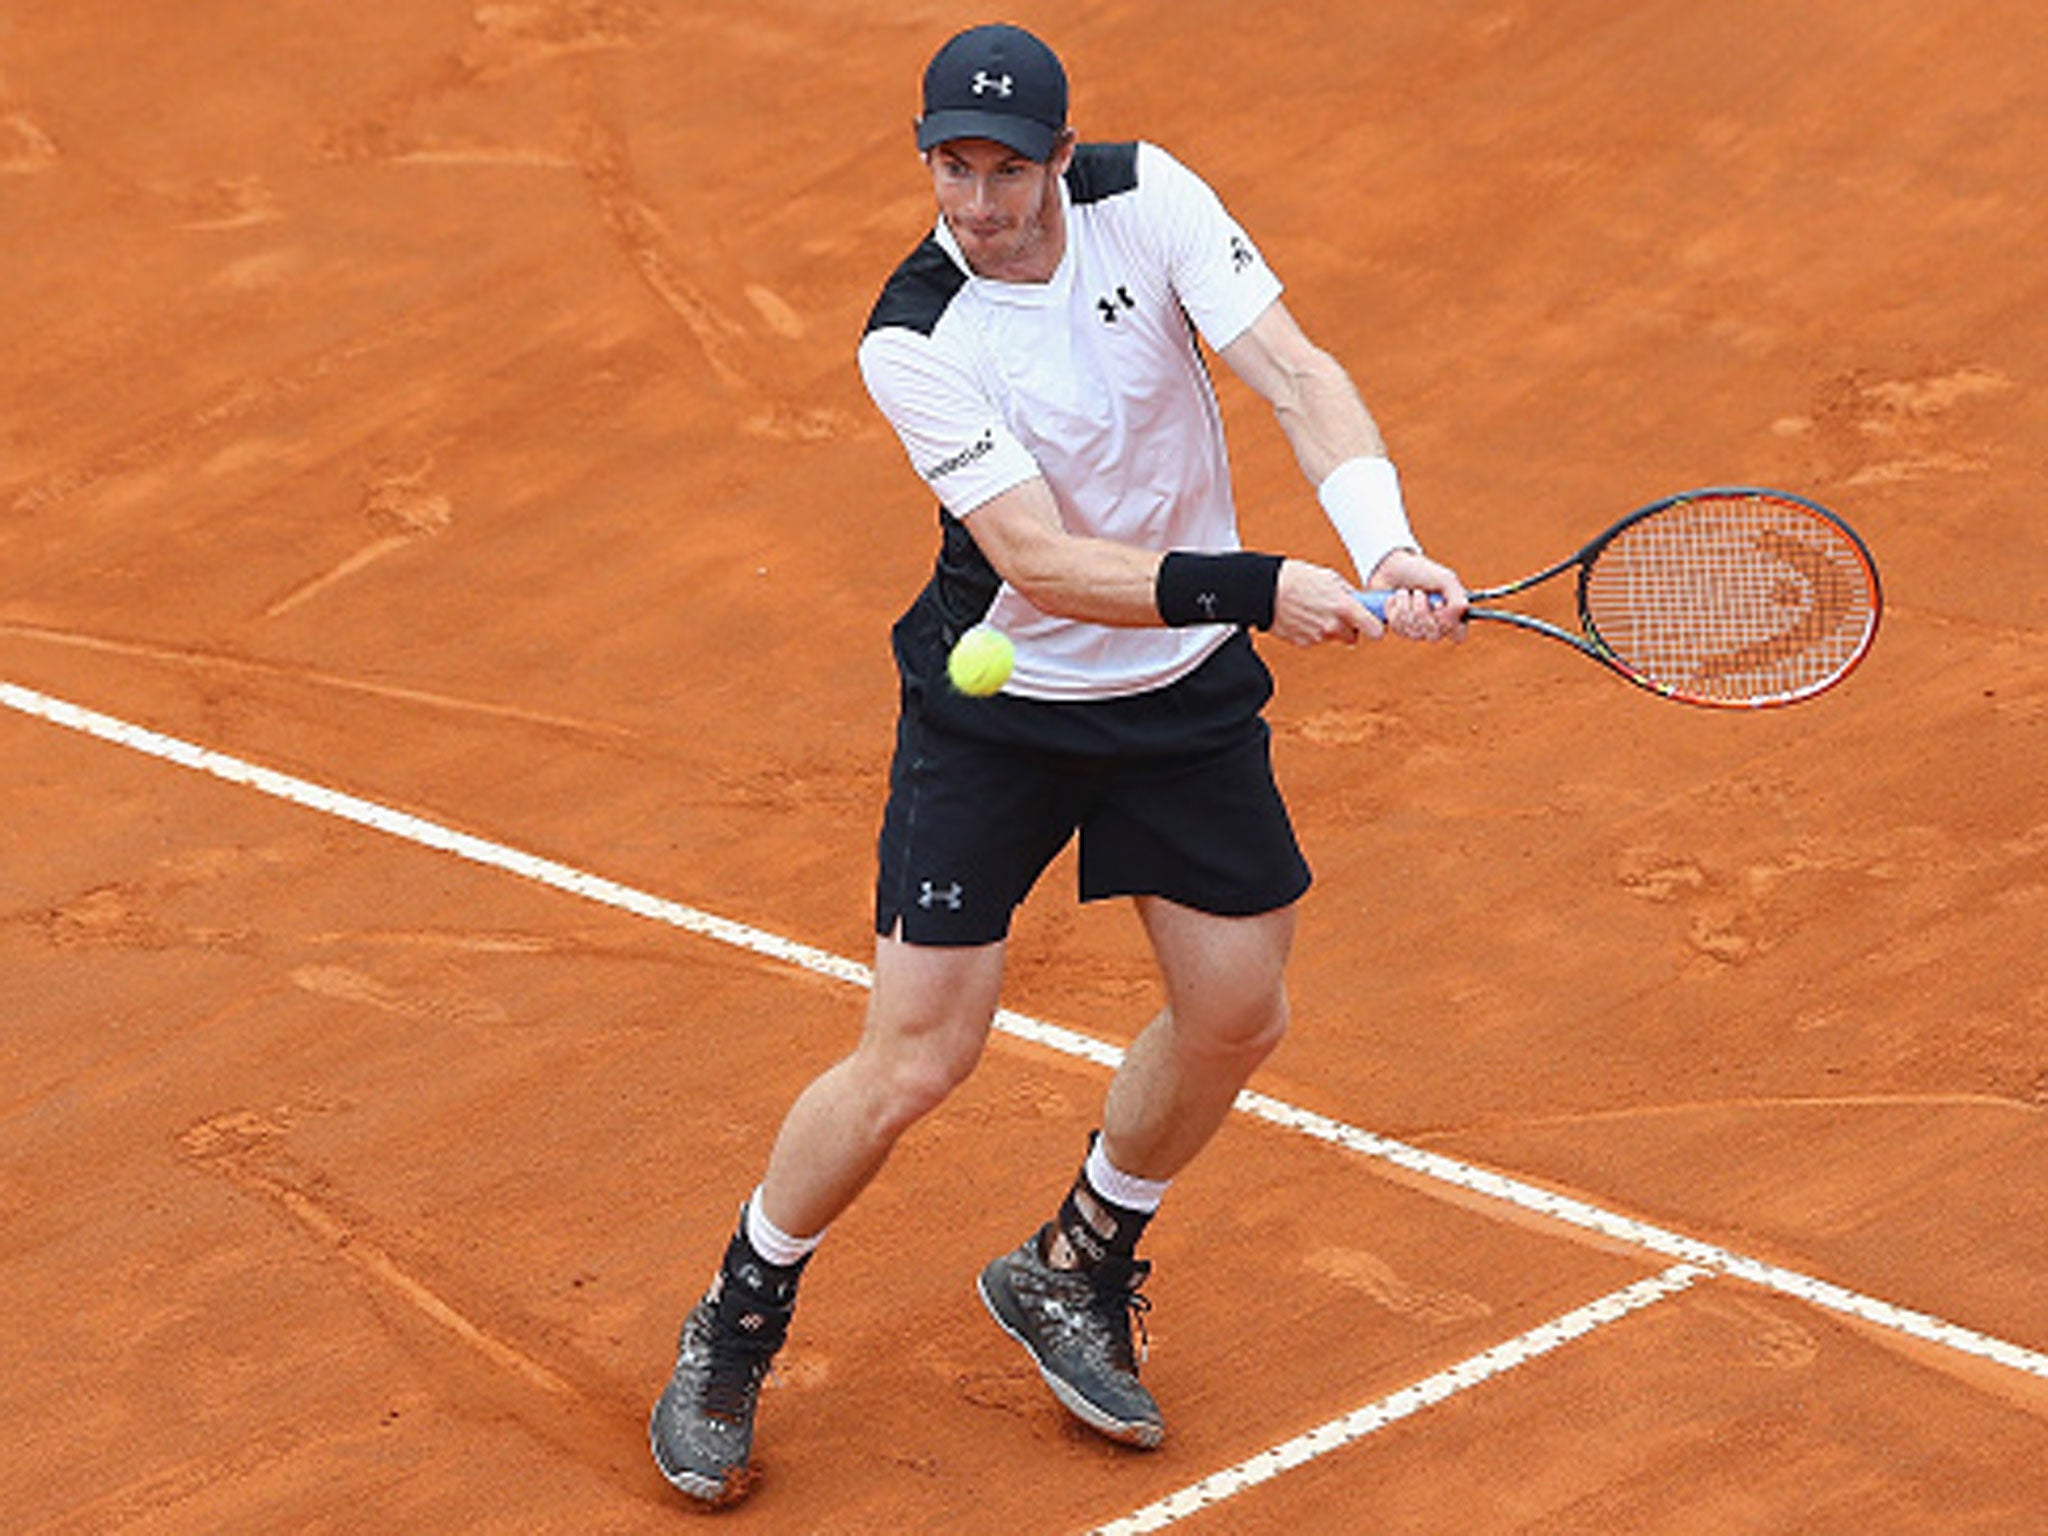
(1092, 380)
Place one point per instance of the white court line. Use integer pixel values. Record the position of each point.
(1427, 1393)
(1430, 1165)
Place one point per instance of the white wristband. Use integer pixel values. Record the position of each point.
(1363, 499)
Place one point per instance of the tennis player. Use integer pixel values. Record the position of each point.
(1037, 355)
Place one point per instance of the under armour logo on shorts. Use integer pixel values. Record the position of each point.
(984, 82)
(951, 897)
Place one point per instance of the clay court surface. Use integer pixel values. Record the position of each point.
(449, 408)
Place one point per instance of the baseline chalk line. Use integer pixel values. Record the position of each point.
(1391, 1409)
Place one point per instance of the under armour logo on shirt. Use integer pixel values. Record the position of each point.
(1108, 307)
(984, 82)
(951, 897)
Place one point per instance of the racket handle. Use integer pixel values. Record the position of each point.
(1376, 602)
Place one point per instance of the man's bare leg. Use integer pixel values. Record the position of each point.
(1068, 1294)
(927, 1022)
(1226, 1011)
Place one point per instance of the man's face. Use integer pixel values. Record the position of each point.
(1004, 209)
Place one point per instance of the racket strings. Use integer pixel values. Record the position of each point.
(1732, 599)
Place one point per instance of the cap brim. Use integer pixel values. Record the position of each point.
(1029, 137)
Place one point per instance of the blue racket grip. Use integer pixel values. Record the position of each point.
(1376, 602)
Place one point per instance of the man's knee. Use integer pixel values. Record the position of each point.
(928, 1018)
(1257, 1028)
(908, 1079)
(914, 1090)
(1226, 977)
(1244, 1030)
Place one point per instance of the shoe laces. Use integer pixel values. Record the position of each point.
(734, 1373)
(1138, 1306)
(1122, 1307)
(741, 1338)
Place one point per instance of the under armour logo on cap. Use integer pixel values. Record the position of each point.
(995, 82)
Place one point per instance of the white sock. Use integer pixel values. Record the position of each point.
(771, 1242)
(1120, 1188)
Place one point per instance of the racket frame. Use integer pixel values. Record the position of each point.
(1589, 641)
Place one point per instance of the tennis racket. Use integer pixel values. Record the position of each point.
(1731, 597)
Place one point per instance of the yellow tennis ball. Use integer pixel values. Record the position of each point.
(981, 661)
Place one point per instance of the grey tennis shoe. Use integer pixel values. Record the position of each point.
(1077, 1329)
(702, 1428)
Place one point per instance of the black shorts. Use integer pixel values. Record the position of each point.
(980, 804)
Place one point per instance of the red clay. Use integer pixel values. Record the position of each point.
(454, 405)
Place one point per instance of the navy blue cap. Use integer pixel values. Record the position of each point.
(995, 82)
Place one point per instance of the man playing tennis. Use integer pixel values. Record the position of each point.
(1037, 356)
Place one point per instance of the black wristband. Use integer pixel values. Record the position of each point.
(1236, 588)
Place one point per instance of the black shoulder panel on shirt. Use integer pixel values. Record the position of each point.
(918, 291)
(1102, 170)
